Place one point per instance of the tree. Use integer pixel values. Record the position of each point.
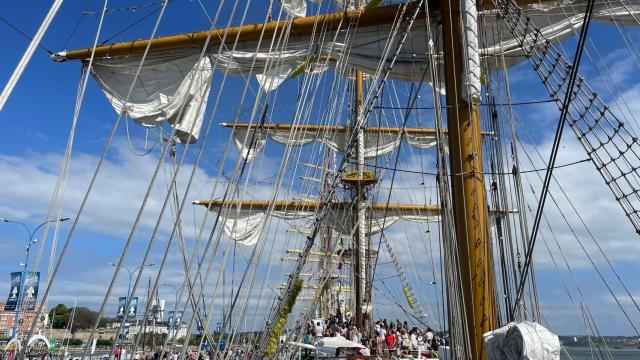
(84, 318)
(59, 316)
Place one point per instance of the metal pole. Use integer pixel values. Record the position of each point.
(175, 310)
(16, 318)
(128, 301)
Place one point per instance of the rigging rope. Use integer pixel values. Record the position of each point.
(485, 173)
(613, 147)
(519, 103)
(64, 168)
(26, 57)
(360, 124)
(17, 29)
(571, 81)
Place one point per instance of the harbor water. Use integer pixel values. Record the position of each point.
(587, 354)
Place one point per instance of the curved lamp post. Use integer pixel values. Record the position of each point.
(25, 264)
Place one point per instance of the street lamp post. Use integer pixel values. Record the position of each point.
(131, 272)
(175, 308)
(25, 264)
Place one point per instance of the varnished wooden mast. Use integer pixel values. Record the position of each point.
(469, 202)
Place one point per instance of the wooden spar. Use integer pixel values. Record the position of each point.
(215, 205)
(338, 129)
(316, 287)
(264, 205)
(477, 282)
(299, 27)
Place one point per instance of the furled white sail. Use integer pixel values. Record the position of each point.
(169, 88)
(245, 225)
(298, 8)
(173, 86)
(250, 142)
(471, 85)
(295, 8)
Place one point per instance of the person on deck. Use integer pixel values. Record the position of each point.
(390, 341)
(405, 341)
(429, 337)
(414, 339)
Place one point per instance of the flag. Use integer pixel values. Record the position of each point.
(14, 292)
(122, 305)
(31, 285)
(133, 309)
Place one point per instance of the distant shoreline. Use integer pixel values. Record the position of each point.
(613, 342)
(610, 347)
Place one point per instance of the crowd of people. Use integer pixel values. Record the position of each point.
(386, 338)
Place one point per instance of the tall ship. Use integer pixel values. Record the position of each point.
(366, 160)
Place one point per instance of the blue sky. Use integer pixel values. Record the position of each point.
(38, 115)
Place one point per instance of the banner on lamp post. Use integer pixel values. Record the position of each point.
(14, 291)
(122, 306)
(133, 309)
(31, 286)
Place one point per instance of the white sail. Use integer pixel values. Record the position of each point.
(173, 81)
(245, 225)
(250, 142)
(168, 88)
(298, 8)
(295, 8)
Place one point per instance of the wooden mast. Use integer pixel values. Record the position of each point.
(469, 202)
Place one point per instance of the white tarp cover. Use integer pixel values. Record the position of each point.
(245, 225)
(522, 341)
(174, 86)
(376, 143)
(337, 342)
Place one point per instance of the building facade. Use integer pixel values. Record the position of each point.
(8, 317)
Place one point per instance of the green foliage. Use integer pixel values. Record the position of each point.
(59, 316)
(272, 344)
(74, 342)
(104, 342)
(83, 318)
